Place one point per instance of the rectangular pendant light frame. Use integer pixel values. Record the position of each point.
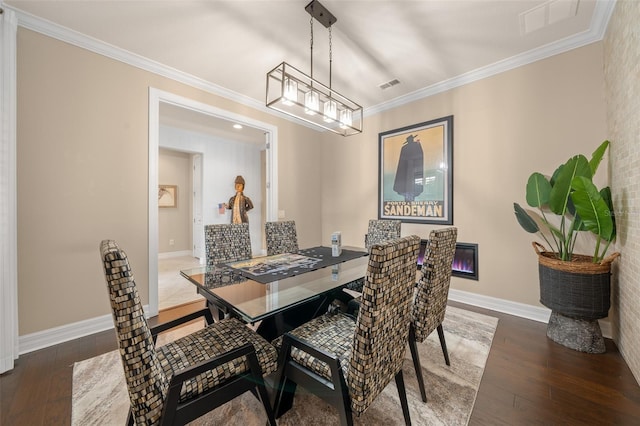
(276, 95)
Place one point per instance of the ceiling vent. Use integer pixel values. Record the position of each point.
(547, 13)
(389, 84)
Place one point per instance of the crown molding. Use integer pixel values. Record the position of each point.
(58, 32)
(599, 22)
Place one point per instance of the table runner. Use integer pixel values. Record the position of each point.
(278, 267)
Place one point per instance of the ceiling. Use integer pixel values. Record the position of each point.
(187, 119)
(232, 44)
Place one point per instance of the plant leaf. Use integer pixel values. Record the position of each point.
(559, 196)
(554, 177)
(538, 189)
(592, 208)
(577, 222)
(596, 157)
(526, 221)
(605, 193)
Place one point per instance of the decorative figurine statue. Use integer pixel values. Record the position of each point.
(239, 204)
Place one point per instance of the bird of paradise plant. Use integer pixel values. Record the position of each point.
(574, 200)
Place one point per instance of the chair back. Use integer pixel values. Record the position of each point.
(432, 290)
(227, 242)
(380, 231)
(146, 381)
(382, 326)
(281, 237)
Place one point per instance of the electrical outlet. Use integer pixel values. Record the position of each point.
(172, 242)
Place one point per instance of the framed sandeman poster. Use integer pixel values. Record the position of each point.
(416, 173)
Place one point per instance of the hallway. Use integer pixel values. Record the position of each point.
(173, 289)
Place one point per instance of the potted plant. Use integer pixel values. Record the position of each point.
(576, 287)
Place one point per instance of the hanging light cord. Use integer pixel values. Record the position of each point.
(330, 59)
(311, 45)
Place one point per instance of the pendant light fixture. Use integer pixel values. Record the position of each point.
(297, 94)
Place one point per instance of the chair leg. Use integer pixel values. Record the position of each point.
(285, 388)
(343, 401)
(257, 378)
(416, 362)
(130, 421)
(284, 394)
(264, 397)
(443, 344)
(345, 414)
(402, 392)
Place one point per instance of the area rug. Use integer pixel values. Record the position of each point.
(100, 395)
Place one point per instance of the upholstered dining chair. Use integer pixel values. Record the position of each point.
(378, 231)
(182, 380)
(432, 292)
(348, 361)
(381, 230)
(227, 242)
(281, 237)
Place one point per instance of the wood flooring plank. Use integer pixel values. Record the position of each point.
(57, 410)
(528, 380)
(551, 384)
(26, 406)
(602, 399)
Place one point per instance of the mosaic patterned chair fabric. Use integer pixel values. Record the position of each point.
(378, 232)
(432, 293)
(227, 243)
(209, 367)
(359, 357)
(381, 230)
(281, 237)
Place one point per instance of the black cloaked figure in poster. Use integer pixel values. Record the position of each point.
(410, 171)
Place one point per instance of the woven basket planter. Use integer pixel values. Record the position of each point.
(578, 292)
(578, 288)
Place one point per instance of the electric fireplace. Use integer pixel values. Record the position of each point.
(465, 261)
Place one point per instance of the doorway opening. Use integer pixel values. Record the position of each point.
(265, 180)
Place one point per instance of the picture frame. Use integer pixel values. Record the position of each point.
(415, 173)
(167, 196)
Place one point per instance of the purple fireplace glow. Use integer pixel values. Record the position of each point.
(465, 261)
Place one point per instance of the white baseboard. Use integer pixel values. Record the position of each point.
(53, 336)
(170, 254)
(64, 333)
(535, 313)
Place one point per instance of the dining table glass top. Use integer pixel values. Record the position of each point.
(260, 287)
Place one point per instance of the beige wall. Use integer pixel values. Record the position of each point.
(505, 127)
(622, 82)
(174, 168)
(82, 171)
(82, 126)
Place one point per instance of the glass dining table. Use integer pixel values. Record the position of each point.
(279, 291)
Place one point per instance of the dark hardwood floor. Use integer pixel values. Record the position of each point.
(528, 380)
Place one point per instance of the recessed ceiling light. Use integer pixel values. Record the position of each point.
(237, 126)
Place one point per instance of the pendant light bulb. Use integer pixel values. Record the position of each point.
(311, 102)
(290, 92)
(346, 118)
(330, 111)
